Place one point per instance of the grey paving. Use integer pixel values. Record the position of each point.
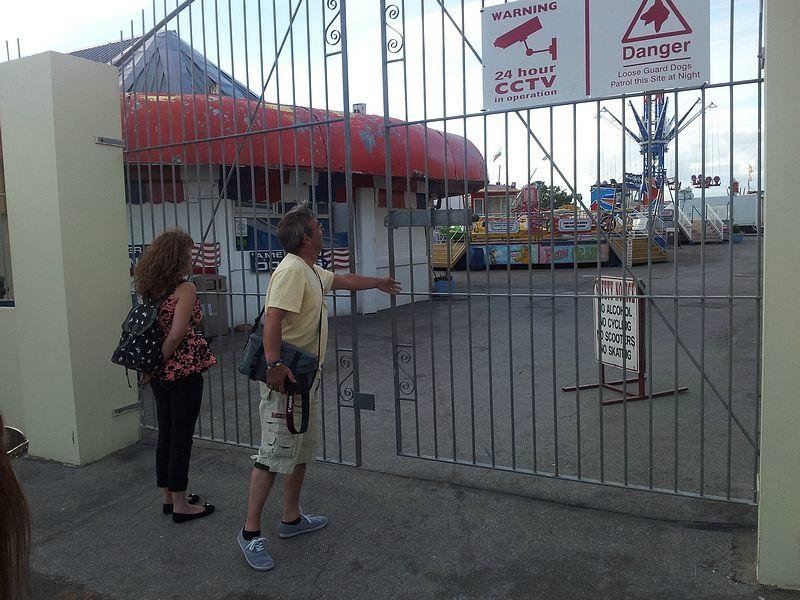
(99, 533)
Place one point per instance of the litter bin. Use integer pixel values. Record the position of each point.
(212, 292)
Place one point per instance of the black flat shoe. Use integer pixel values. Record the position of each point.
(182, 518)
(190, 499)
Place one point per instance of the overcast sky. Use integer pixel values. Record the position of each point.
(450, 86)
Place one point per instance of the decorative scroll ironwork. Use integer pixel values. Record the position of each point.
(395, 42)
(333, 32)
(344, 389)
(408, 384)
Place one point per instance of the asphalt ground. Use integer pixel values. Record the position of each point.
(98, 533)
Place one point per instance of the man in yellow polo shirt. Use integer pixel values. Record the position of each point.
(295, 313)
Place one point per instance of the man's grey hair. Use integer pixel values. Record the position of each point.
(294, 226)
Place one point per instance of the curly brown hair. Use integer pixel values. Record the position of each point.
(163, 264)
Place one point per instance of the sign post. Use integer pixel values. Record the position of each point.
(619, 320)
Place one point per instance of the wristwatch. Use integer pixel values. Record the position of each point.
(274, 363)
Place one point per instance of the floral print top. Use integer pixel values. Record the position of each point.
(193, 354)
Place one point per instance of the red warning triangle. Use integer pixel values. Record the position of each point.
(656, 16)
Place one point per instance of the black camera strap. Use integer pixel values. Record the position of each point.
(305, 386)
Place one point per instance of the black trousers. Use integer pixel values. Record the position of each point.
(177, 409)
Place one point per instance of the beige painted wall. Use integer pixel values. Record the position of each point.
(67, 223)
(779, 497)
(10, 392)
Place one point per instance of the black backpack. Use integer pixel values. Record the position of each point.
(139, 347)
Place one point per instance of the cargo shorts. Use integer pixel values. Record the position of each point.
(280, 449)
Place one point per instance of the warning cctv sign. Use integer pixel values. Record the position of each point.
(530, 50)
(539, 53)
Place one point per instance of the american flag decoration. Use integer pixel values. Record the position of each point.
(340, 257)
(206, 257)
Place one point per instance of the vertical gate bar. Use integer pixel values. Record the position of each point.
(279, 111)
(313, 185)
(241, 217)
(149, 185)
(552, 294)
(596, 303)
(171, 123)
(126, 164)
(653, 173)
(213, 223)
(160, 142)
(575, 287)
(703, 223)
(348, 176)
(467, 235)
(412, 281)
(651, 216)
(427, 191)
(488, 298)
(352, 253)
(200, 219)
(236, 168)
(427, 236)
(200, 205)
(447, 217)
(234, 171)
(140, 191)
(183, 150)
(759, 249)
(675, 216)
(333, 228)
(528, 201)
(624, 269)
(294, 105)
(508, 309)
(390, 234)
(731, 220)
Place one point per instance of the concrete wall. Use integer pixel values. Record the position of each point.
(66, 216)
(779, 497)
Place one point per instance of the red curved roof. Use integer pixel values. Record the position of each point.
(203, 130)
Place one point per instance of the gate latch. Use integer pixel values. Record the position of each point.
(428, 218)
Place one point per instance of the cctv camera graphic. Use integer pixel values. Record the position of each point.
(521, 33)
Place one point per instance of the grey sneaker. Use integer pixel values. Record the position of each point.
(255, 552)
(307, 523)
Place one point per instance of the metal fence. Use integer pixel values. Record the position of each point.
(233, 112)
(219, 143)
(501, 369)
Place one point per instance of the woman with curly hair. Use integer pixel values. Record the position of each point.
(14, 530)
(177, 385)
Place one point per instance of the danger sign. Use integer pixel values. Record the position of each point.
(641, 45)
(530, 50)
(618, 322)
(539, 53)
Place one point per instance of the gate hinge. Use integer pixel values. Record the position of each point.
(107, 141)
(127, 408)
(428, 218)
(364, 401)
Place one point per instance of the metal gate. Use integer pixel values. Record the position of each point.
(495, 362)
(232, 114)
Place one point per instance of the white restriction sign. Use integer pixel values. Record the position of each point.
(533, 53)
(640, 45)
(617, 323)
